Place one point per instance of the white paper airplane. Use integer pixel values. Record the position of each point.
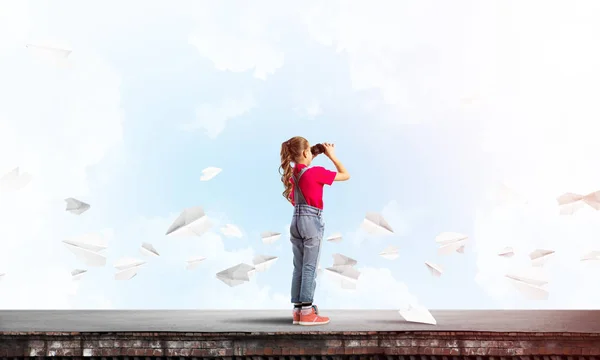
(335, 237)
(269, 237)
(14, 180)
(236, 275)
(230, 230)
(435, 269)
(418, 314)
(77, 274)
(507, 252)
(569, 203)
(2, 275)
(375, 224)
(209, 173)
(76, 207)
(87, 248)
(591, 256)
(128, 268)
(193, 263)
(148, 250)
(540, 256)
(263, 262)
(530, 283)
(191, 222)
(47, 51)
(390, 253)
(345, 276)
(343, 260)
(451, 242)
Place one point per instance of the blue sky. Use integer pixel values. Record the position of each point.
(429, 117)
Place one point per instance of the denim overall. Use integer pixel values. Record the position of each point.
(306, 232)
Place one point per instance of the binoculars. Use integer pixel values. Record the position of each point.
(317, 149)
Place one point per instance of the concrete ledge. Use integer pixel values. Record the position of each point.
(225, 345)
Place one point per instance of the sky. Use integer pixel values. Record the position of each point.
(432, 107)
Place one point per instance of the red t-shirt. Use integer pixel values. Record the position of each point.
(311, 183)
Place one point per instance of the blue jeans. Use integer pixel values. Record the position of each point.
(306, 232)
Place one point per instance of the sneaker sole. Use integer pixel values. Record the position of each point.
(313, 323)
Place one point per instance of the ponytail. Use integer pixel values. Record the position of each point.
(291, 150)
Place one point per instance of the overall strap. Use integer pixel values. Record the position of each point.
(299, 198)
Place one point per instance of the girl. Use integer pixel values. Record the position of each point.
(304, 189)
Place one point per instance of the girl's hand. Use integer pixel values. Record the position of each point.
(329, 149)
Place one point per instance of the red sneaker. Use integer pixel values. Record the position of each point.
(313, 318)
(296, 316)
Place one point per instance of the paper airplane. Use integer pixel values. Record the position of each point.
(335, 237)
(49, 51)
(269, 237)
(128, 268)
(343, 260)
(230, 230)
(345, 276)
(418, 314)
(375, 224)
(87, 249)
(194, 262)
(191, 222)
(507, 252)
(77, 274)
(435, 270)
(148, 250)
(569, 203)
(390, 253)
(14, 180)
(540, 256)
(236, 275)
(591, 256)
(529, 283)
(76, 207)
(2, 275)
(209, 173)
(263, 262)
(451, 242)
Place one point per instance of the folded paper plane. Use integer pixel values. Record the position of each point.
(14, 180)
(343, 260)
(591, 256)
(375, 224)
(263, 262)
(77, 274)
(76, 207)
(148, 250)
(434, 269)
(194, 262)
(418, 314)
(507, 196)
(87, 248)
(451, 242)
(236, 275)
(390, 253)
(127, 268)
(191, 222)
(269, 237)
(530, 283)
(345, 276)
(507, 252)
(569, 203)
(48, 51)
(230, 230)
(540, 256)
(209, 173)
(335, 237)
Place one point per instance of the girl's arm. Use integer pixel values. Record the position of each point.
(342, 173)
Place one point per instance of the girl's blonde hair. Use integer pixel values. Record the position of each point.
(291, 151)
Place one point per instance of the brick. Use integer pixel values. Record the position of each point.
(333, 343)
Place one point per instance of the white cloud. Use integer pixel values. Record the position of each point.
(54, 123)
(238, 37)
(213, 118)
(540, 126)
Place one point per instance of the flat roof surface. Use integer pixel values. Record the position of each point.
(582, 321)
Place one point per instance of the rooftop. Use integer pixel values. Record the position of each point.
(257, 321)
